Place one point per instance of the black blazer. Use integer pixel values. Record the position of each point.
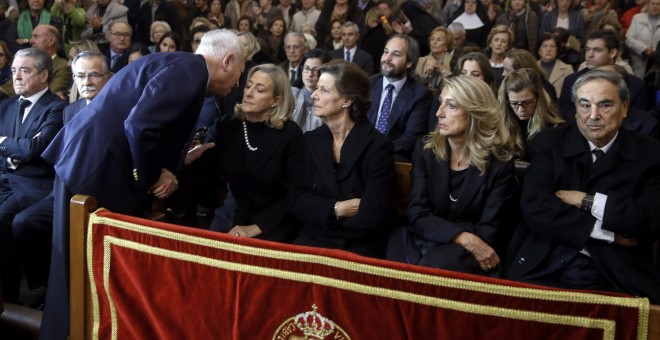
(121, 61)
(408, 118)
(261, 191)
(33, 178)
(481, 210)
(552, 232)
(365, 171)
(361, 58)
(72, 109)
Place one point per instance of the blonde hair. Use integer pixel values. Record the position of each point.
(155, 25)
(448, 36)
(281, 88)
(497, 30)
(376, 14)
(545, 113)
(487, 133)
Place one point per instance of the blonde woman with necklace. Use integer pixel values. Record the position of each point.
(461, 184)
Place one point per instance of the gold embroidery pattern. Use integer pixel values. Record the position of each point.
(537, 294)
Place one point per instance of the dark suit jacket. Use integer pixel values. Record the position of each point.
(361, 58)
(480, 210)
(260, 187)
(636, 87)
(121, 62)
(552, 232)
(33, 178)
(166, 11)
(138, 124)
(72, 109)
(285, 66)
(408, 118)
(366, 171)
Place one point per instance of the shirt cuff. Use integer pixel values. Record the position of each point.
(11, 164)
(597, 211)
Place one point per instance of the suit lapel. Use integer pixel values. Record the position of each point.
(376, 92)
(575, 146)
(35, 114)
(399, 104)
(356, 141)
(320, 145)
(622, 148)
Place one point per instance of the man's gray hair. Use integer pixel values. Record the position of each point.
(300, 35)
(610, 76)
(217, 43)
(42, 60)
(354, 26)
(90, 55)
(456, 27)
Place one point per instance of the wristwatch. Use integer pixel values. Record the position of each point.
(587, 203)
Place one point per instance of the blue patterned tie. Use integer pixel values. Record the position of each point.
(381, 125)
(348, 55)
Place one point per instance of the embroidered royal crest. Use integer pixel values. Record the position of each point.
(309, 325)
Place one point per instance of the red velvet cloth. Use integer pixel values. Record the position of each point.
(154, 280)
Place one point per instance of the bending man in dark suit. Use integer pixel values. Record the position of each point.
(28, 123)
(404, 117)
(124, 147)
(591, 197)
(33, 226)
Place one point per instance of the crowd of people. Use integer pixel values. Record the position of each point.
(303, 108)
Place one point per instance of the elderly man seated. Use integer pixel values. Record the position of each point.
(591, 199)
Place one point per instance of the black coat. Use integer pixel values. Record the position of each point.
(365, 171)
(553, 232)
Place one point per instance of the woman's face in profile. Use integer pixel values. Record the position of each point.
(471, 68)
(327, 100)
(310, 73)
(452, 119)
(259, 97)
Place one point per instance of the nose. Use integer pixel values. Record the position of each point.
(441, 111)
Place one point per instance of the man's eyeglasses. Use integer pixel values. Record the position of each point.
(91, 76)
(526, 104)
(121, 35)
(307, 69)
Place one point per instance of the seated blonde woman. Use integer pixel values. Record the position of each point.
(462, 182)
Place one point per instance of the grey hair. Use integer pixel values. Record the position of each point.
(350, 24)
(90, 55)
(300, 35)
(607, 75)
(456, 27)
(217, 43)
(43, 61)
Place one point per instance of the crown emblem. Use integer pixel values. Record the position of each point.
(314, 325)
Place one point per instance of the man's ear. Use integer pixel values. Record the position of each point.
(613, 53)
(227, 61)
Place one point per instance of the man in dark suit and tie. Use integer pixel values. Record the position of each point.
(33, 226)
(399, 103)
(590, 200)
(119, 38)
(28, 123)
(350, 34)
(125, 146)
(295, 47)
(601, 49)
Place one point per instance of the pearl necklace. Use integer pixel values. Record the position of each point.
(247, 142)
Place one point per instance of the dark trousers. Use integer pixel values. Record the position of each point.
(580, 273)
(55, 323)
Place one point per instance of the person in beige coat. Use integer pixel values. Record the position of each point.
(557, 70)
(433, 67)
